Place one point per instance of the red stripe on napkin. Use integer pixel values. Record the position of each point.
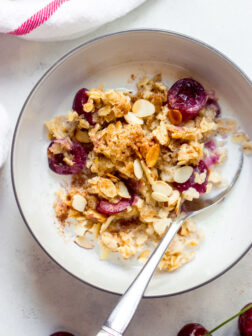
(37, 19)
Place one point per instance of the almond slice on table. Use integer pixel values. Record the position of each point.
(132, 119)
(162, 187)
(138, 171)
(143, 108)
(159, 197)
(79, 203)
(182, 174)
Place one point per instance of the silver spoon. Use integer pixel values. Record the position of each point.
(119, 319)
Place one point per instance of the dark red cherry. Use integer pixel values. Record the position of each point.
(245, 322)
(192, 329)
(188, 96)
(80, 99)
(109, 208)
(56, 161)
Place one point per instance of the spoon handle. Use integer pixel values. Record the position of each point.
(119, 319)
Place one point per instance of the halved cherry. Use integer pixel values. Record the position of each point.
(188, 96)
(109, 208)
(190, 183)
(59, 150)
(80, 99)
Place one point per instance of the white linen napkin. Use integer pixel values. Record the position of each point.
(49, 20)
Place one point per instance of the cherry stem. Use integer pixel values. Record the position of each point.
(230, 319)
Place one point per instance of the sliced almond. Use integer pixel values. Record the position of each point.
(174, 198)
(147, 172)
(182, 174)
(82, 136)
(152, 155)
(159, 197)
(107, 223)
(107, 187)
(95, 216)
(138, 171)
(162, 187)
(143, 108)
(82, 241)
(79, 203)
(131, 118)
(122, 190)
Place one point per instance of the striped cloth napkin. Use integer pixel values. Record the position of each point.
(47, 20)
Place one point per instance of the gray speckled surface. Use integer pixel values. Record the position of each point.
(37, 297)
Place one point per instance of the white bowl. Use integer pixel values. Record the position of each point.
(111, 60)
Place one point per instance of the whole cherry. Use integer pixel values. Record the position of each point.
(245, 321)
(192, 329)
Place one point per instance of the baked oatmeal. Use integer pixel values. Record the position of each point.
(134, 158)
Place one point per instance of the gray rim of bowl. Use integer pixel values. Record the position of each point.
(69, 53)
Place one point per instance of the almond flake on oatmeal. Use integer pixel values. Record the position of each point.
(107, 223)
(152, 155)
(122, 190)
(82, 241)
(82, 136)
(107, 187)
(143, 108)
(162, 187)
(190, 194)
(182, 174)
(159, 197)
(138, 171)
(79, 203)
(174, 198)
(131, 118)
(95, 216)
